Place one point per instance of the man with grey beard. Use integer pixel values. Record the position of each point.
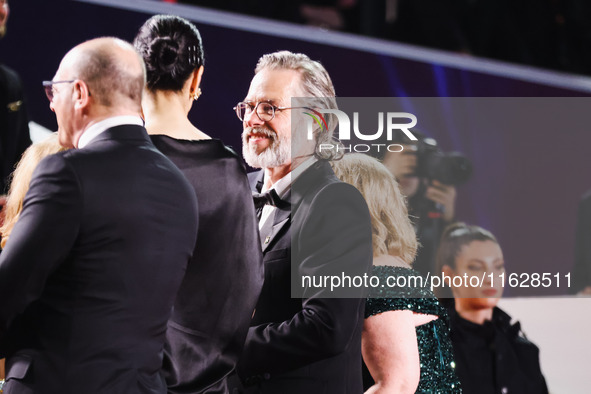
(311, 224)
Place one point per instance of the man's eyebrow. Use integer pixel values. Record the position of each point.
(270, 101)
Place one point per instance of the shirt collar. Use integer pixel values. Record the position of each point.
(93, 131)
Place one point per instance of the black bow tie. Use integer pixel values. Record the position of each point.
(270, 197)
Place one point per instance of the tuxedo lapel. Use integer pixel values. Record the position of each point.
(255, 180)
(318, 171)
(282, 216)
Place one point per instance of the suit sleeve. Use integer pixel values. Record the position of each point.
(41, 239)
(335, 238)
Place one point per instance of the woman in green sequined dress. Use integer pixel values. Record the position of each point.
(405, 342)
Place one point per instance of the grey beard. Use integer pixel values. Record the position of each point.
(276, 154)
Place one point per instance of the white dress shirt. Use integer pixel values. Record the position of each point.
(282, 186)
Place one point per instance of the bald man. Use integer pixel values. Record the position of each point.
(91, 269)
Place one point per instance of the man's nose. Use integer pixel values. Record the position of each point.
(252, 119)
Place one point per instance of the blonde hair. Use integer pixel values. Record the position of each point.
(392, 232)
(21, 178)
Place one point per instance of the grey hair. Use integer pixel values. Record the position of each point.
(316, 85)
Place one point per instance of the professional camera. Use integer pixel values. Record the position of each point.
(448, 168)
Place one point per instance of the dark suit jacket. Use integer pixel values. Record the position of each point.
(90, 272)
(310, 344)
(14, 127)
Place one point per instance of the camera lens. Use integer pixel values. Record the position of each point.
(448, 168)
(452, 169)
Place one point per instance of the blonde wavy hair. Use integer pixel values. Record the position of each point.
(21, 178)
(392, 231)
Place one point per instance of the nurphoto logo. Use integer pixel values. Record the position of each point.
(395, 122)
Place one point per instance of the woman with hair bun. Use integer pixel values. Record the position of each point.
(212, 312)
(20, 180)
(492, 355)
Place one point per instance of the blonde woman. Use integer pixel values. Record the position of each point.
(405, 341)
(19, 185)
(21, 177)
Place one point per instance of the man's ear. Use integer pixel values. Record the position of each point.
(81, 94)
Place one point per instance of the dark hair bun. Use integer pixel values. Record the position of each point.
(163, 53)
(171, 48)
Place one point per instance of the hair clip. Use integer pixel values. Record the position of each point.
(192, 55)
(459, 232)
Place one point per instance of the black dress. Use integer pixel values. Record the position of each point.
(495, 357)
(215, 303)
(435, 349)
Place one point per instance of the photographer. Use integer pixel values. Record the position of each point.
(427, 177)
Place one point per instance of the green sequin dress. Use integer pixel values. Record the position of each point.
(435, 348)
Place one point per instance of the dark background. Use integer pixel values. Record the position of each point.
(527, 180)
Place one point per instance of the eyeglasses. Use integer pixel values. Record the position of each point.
(48, 86)
(265, 111)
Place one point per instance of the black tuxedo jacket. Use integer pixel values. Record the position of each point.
(310, 344)
(89, 274)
